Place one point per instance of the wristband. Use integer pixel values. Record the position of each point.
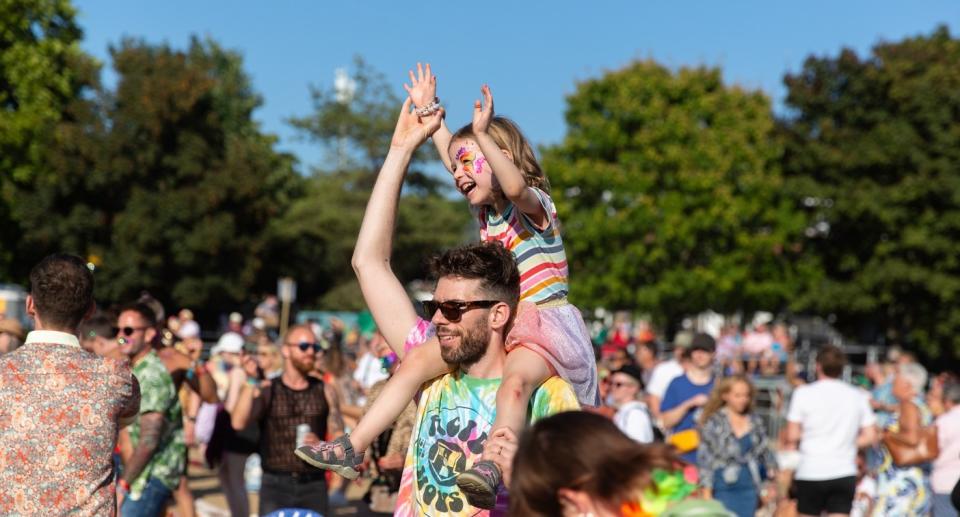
(123, 486)
(429, 109)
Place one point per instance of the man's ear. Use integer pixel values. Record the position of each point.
(31, 307)
(150, 334)
(500, 316)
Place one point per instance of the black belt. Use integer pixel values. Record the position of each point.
(298, 477)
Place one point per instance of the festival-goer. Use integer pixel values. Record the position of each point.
(687, 393)
(158, 460)
(905, 490)
(477, 292)
(735, 460)
(269, 360)
(98, 335)
(666, 371)
(11, 335)
(946, 468)
(49, 467)
(632, 416)
(828, 421)
(601, 472)
(390, 448)
(494, 167)
(294, 405)
(646, 355)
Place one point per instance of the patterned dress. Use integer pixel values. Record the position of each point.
(903, 490)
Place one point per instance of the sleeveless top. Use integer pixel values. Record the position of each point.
(285, 410)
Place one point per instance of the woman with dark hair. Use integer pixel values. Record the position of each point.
(579, 463)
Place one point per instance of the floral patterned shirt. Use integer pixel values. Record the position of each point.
(60, 408)
(158, 395)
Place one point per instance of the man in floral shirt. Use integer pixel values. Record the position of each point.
(152, 472)
(60, 405)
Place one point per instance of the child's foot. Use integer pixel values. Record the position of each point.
(337, 456)
(480, 484)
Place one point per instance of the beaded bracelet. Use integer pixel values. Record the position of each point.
(429, 109)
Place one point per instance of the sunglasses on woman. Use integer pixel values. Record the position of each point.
(453, 310)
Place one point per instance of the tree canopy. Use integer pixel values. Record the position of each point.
(872, 147)
(670, 193)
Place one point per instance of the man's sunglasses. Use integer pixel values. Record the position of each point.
(304, 346)
(127, 331)
(453, 310)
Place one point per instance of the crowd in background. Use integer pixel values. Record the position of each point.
(699, 395)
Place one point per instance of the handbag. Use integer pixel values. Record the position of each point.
(904, 455)
(685, 441)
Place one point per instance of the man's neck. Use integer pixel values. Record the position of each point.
(39, 325)
(648, 363)
(293, 378)
(699, 375)
(140, 355)
(490, 366)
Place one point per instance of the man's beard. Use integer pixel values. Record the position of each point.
(302, 365)
(473, 344)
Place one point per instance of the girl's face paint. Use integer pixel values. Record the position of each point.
(471, 172)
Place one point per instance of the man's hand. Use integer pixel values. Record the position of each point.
(500, 448)
(698, 400)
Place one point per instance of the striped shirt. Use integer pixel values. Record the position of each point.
(539, 252)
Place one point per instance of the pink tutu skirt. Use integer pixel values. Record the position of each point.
(556, 332)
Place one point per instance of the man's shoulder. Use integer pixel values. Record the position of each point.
(555, 395)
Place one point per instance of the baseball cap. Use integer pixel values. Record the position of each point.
(704, 342)
(683, 339)
(632, 371)
(231, 342)
(188, 330)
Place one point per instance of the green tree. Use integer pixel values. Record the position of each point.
(167, 182)
(668, 187)
(42, 72)
(873, 148)
(321, 228)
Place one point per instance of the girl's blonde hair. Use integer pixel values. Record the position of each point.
(722, 388)
(508, 136)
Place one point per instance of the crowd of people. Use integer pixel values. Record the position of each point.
(490, 400)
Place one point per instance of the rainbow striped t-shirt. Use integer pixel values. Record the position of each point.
(539, 251)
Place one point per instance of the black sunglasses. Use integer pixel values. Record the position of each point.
(128, 331)
(453, 310)
(304, 346)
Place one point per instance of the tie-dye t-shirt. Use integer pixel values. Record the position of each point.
(454, 417)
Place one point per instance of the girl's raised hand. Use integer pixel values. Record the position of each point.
(483, 113)
(423, 86)
(411, 130)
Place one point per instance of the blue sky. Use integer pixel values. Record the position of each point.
(531, 53)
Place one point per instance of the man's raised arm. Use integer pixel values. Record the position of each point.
(382, 290)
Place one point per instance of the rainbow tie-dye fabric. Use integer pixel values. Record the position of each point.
(454, 417)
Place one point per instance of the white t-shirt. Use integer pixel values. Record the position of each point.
(369, 372)
(634, 420)
(830, 413)
(661, 377)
